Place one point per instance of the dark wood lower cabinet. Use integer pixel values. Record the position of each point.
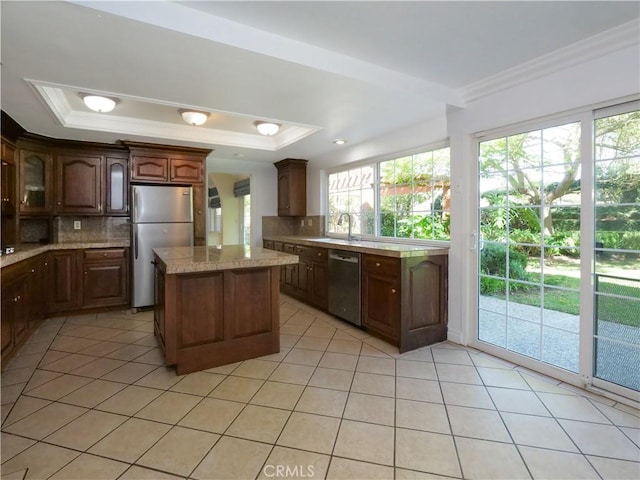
(63, 273)
(59, 281)
(404, 300)
(208, 319)
(105, 277)
(308, 279)
(381, 295)
(14, 314)
(21, 300)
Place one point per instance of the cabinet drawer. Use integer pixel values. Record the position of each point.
(98, 254)
(311, 252)
(288, 248)
(384, 265)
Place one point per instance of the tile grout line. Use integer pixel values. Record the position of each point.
(292, 410)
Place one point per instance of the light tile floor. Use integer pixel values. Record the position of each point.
(89, 398)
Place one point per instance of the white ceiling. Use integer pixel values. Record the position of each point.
(324, 70)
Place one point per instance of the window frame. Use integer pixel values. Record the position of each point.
(375, 162)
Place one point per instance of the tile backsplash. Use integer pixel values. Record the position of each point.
(93, 229)
(312, 225)
(34, 230)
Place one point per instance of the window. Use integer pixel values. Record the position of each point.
(352, 192)
(414, 196)
(407, 197)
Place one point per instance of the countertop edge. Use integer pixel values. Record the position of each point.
(362, 247)
(184, 266)
(25, 253)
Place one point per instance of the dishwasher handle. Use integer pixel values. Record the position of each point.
(343, 258)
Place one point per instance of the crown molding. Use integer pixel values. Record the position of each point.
(618, 38)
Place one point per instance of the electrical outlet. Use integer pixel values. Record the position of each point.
(309, 222)
(77, 225)
(302, 222)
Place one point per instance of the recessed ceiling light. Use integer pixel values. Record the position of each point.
(98, 103)
(193, 117)
(339, 141)
(267, 128)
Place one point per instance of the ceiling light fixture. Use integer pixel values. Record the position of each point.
(98, 103)
(339, 141)
(193, 117)
(267, 128)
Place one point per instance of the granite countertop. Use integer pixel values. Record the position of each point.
(220, 257)
(23, 252)
(401, 250)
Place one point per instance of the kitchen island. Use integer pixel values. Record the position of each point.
(217, 305)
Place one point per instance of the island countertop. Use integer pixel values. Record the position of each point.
(176, 260)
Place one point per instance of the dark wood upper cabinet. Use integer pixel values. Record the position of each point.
(152, 163)
(79, 179)
(166, 168)
(117, 186)
(292, 187)
(8, 184)
(8, 178)
(149, 168)
(35, 180)
(184, 170)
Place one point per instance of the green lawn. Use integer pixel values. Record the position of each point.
(612, 309)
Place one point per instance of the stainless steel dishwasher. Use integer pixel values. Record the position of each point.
(344, 285)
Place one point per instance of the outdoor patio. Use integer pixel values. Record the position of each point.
(554, 339)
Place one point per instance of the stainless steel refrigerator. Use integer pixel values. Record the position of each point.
(162, 216)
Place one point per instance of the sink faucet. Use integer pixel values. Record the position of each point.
(349, 235)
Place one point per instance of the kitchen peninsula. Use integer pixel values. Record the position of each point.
(217, 305)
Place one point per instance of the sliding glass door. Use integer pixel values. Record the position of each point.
(616, 335)
(529, 262)
(541, 295)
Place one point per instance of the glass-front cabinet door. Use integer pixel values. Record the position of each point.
(35, 182)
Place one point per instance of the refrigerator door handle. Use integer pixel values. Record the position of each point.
(134, 193)
(135, 241)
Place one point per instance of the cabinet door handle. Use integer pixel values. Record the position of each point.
(105, 254)
(310, 268)
(86, 273)
(59, 203)
(393, 290)
(33, 270)
(377, 264)
(319, 254)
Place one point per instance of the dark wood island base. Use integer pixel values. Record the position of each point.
(206, 318)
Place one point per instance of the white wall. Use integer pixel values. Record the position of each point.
(231, 207)
(263, 181)
(610, 78)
